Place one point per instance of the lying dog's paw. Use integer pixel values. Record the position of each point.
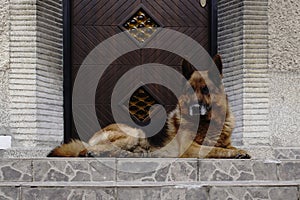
(242, 155)
(83, 153)
(87, 153)
(107, 154)
(100, 154)
(91, 153)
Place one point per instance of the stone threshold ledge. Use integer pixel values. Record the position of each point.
(146, 170)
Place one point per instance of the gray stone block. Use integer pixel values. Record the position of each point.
(9, 193)
(172, 193)
(280, 193)
(253, 193)
(103, 170)
(139, 193)
(164, 193)
(68, 193)
(15, 170)
(292, 153)
(289, 170)
(74, 170)
(187, 193)
(236, 170)
(157, 170)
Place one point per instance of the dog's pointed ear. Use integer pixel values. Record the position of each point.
(218, 61)
(187, 69)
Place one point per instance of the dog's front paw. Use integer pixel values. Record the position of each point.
(242, 155)
(106, 154)
(83, 153)
(91, 153)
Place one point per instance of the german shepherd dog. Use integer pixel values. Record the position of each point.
(178, 140)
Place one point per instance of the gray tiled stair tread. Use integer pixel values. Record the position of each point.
(146, 170)
(153, 184)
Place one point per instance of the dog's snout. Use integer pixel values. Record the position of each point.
(205, 90)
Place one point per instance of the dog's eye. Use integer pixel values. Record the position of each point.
(205, 90)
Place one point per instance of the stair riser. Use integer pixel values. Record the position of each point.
(155, 193)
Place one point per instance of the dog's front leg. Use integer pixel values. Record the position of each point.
(109, 150)
(217, 152)
(201, 151)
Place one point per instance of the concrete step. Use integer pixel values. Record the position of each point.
(144, 178)
(280, 190)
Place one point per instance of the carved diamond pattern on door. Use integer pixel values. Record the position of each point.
(141, 25)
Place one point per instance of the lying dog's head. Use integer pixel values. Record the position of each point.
(197, 101)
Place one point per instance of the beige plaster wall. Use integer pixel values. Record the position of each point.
(284, 70)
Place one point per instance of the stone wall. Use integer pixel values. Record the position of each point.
(49, 72)
(4, 67)
(230, 46)
(284, 66)
(243, 43)
(34, 80)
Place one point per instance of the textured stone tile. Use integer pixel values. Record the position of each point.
(253, 193)
(15, 170)
(74, 170)
(289, 170)
(234, 193)
(103, 170)
(164, 193)
(68, 193)
(236, 170)
(287, 154)
(157, 170)
(186, 193)
(280, 193)
(9, 193)
(139, 193)
(172, 193)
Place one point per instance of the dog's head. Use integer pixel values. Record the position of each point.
(196, 99)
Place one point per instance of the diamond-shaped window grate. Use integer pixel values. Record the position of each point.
(140, 104)
(141, 26)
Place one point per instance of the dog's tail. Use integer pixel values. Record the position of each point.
(71, 149)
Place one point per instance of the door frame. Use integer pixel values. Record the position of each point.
(67, 56)
(67, 70)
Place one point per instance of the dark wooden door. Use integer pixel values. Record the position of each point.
(88, 23)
